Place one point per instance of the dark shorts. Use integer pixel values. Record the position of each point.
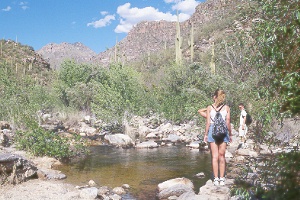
(211, 139)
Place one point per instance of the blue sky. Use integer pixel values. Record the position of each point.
(95, 23)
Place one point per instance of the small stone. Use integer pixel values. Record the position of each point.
(92, 183)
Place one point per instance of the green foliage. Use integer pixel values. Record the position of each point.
(21, 96)
(280, 178)
(184, 90)
(119, 90)
(40, 142)
(72, 86)
(275, 54)
(106, 92)
(242, 194)
(277, 35)
(72, 73)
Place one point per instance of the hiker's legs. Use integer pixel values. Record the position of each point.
(215, 158)
(242, 134)
(245, 133)
(222, 161)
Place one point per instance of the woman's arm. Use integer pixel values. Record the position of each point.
(228, 122)
(207, 123)
(202, 112)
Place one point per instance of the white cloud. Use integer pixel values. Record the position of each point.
(102, 22)
(103, 13)
(187, 6)
(130, 16)
(23, 5)
(8, 8)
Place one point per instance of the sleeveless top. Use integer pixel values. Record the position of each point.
(213, 114)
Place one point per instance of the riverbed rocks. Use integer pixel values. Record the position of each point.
(211, 192)
(48, 174)
(102, 192)
(89, 193)
(15, 169)
(5, 133)
(148, 144)
(174, 187)
(119, 140)
(183, 188)
(140, 132)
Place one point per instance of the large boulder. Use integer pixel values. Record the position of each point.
(119, 140)
(15, 169)
(211, 192)
(174, 187)
(89, 193)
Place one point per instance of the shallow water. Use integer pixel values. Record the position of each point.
(142, 169)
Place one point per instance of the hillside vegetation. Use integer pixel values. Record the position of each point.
(246, 52)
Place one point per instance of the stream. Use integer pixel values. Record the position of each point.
(142, 169)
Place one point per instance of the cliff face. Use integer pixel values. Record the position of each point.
(55, 54)
(147, 37)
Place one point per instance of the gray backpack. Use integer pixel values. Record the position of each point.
(220, 129)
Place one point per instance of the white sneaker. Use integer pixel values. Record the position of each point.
(216, 181)
(222, 181)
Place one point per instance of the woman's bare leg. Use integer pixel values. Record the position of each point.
(221, 156)
(215, 158)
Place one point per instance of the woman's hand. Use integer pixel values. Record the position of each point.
(230, 138)
(205, 138)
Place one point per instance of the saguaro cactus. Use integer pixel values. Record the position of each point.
(178, 43)
(212, 62)
(191, 43)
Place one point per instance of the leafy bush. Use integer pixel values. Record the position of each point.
(21, 95)
(71, 85)
(277, 36)
(40, 142)
(276, 43)
(118, 90)
(185, 89)
(281, 177)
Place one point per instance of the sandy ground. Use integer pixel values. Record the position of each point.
(39, 190)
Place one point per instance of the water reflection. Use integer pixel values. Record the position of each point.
(142, 169)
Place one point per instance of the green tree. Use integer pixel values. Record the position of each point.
(72, 85)
(118, 89)
(277, 33)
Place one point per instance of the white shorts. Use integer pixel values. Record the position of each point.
(242, 133)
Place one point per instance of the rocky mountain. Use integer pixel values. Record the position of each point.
(211, 20)
(155, 36)
(23, 60)
(55, 54)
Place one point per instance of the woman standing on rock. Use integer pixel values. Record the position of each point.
(218, 148)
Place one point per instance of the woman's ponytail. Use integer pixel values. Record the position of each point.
(220, 97)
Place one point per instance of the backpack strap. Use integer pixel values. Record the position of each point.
(216, 111)
(219, 109)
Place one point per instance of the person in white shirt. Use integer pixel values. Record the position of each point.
(243, 127)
